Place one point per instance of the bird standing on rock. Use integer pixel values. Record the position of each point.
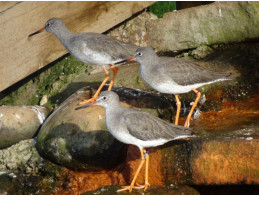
(91, 48)
(136, 127)
(175, 76)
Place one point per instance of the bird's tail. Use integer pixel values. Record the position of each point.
(222, 76)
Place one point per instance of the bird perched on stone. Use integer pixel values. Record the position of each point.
(138, 128)
(175, 76)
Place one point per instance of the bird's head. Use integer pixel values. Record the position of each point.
(54, 25)
(143, 54)
(106, 99)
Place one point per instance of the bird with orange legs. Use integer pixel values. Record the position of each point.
(91, 48)
(175, 76)
(138, 128)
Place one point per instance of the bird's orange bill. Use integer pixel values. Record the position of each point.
(36, 32)
(85, 106)
(126, 60)
(131, 59)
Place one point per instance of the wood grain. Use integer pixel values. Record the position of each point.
(21, 56)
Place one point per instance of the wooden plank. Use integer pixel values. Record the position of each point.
(21, 56)
(5, 5)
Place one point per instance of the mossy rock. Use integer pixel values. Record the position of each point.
(78, 139)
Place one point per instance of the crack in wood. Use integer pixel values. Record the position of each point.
(1, 12)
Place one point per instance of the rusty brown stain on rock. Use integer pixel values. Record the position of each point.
(251, 103)
(217, 95)
(133, 161)
(81, 182)
(228, 162)
(211, 162)
(248, 107)
(175, 162)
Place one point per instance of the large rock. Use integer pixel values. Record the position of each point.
(197, 162)
(78, 139)
(20, 122)
(219, 22)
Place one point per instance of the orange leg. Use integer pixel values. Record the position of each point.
(146, 174)
(115, 70)
(178, 104)
(99, 89)
(129, 188)
(146, 185)
(187, 122)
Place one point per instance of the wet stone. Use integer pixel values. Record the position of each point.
(213, 157)
(152, 190)
(186, 162)
(20, 122)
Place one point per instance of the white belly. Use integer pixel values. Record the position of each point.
(173, 88)
(125, 137)
(129, 139)
(93, 57)
(170, 87)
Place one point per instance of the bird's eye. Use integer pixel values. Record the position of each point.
(48, 24)
(139, 54)
(104, 98)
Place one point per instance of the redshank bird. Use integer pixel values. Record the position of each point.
(91, 48)
(139, 128)
(175, 76)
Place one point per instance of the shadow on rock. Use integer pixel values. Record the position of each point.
(69, 146)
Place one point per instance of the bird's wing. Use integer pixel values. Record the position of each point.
(145, 126)
(109, 46)
(185, 72)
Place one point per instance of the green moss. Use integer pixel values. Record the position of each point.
(161, 7)
(49, 81)
(137, 80)
(227, 31)
(103, 126)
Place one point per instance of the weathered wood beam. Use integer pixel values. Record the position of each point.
(21, 56)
